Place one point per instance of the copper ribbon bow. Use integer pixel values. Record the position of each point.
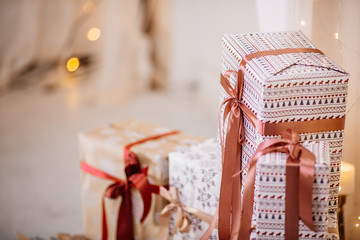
(182, 221)
(230, 191)
(300, 169)
(136, 178)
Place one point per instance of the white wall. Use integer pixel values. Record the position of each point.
(197, 33)
(343, 17)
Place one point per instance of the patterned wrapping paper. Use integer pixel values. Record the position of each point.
(196, 173)
(269, 196)
(102, 148)
(289, 87)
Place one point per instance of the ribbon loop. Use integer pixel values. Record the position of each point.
(132, 164)
(115, 190)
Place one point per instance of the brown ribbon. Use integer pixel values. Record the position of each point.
(300, 169)
(230, 191)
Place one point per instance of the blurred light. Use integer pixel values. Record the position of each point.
(72, 64)
(340, 188)
(94, 34)
(89, 7)
(303, 23)
(356, 225)
(359, 217)
(337, 35)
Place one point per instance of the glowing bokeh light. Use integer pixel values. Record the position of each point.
(72, 64)
(94, 34)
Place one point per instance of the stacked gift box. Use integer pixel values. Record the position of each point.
(276, 159)
(296, 88)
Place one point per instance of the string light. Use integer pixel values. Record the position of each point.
(359, 217)
(336, 35)
(94, 34)
(339, 188)
(72, 64)
(357, 225)
(303, 23)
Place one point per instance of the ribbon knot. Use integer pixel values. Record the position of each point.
(293, 145)
(294, 151)
(115, 190)
(236, 107)
(236, 102)
(182, 221)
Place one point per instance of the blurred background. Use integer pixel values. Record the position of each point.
(68, 66)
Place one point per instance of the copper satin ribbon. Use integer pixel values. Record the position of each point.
(137, 178)
(300, 169)
(230, 191)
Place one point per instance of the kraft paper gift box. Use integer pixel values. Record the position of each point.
(306, 89)
(103, 149)
(196, 173)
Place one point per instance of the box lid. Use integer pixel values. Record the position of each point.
(286, 87)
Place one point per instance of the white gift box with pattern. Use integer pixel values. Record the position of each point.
(295, 87)
(196, 173)
(269, 197)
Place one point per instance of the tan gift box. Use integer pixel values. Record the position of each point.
(103, 149)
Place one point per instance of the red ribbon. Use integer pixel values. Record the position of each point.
(300, 169)
(135, 177)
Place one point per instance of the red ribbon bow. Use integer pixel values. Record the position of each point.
(136, 178)
(300, 169)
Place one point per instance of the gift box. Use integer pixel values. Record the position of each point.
(300, 89)
(269, 197)
(102, 152)
(196, 173)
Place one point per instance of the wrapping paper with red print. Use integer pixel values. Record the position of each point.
(292, 87)
(269, 198)
(196, 172)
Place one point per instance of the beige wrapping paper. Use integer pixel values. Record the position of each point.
(102, 148)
